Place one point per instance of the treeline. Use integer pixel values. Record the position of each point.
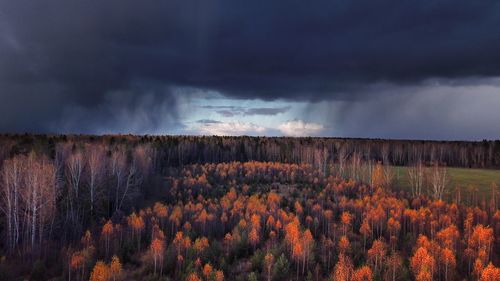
(181, 150)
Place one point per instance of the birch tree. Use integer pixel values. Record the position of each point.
(96, 164)
(10, 188)
(438, 180)
(416, 178)
(74, 170)
(38, 197)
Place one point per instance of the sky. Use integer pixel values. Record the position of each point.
(358, 68)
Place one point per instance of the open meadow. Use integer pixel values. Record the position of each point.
(467, 179)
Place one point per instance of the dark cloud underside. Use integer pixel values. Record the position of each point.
(56, 56)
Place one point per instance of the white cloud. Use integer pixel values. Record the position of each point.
(299, 128)
(230, 128)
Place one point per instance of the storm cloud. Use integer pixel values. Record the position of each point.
(230, 111)
(125, 66)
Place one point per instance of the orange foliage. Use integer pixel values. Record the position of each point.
(115, 268)
(160, 210)
(207, 270)
(362, 274)
(253, 236)
(422, 264)
(490, 273)
(343, 269)
(77, 260)
(100, 272)
(87, 239)
(219, 275)
(193, 277)
(344, 244)
(107, 228)
(376, 254)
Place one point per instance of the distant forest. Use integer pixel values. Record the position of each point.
(181, 150)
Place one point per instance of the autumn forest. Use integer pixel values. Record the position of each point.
(123, 207)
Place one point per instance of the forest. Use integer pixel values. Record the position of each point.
(124, 207)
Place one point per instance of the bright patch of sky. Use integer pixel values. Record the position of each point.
(210, 113)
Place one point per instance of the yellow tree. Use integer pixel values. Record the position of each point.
(394, 263)
(228, 239)
(115, 268)
(100, 272)
(308, 242)
(376, 254)
(193, 277)
(161, 213)
(292, 233)
(478, 268)
(253, 236)
(481, 240)
(178, 241)
(423, 265)
(107, 231)
(157, 248)
(77, 263)
(297, 253)
(378, 177)
(200, 244)
(362, 274)
(490, 273)
(343, 269)
(207, 271)
(345, 219)
(344, 245)
(449, 261)
(86, 239)
(365, 230)
(137, 224)
(219, 275)
(269, 261)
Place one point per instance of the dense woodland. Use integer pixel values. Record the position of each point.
(181, 150)
(242, 208)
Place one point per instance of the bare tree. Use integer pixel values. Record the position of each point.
(38, 196)
(438, 180)
(12, 171)
(397, 154)
(96, 164)
(416, 178)
(493, 199)
(144, 156)
(355, 166)
(385, 153)
(118, 171)
(342, 159)
(74, 170)
(320, 159)
(133, 180)
(389, 175)
(5, 149)
(126, 174)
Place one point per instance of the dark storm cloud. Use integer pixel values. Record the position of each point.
(139, 110)
(226, 113)
(231, 111)
(445, 110)
(208, 121)
(56, 56)
(271, 111)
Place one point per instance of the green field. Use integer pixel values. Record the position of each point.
(458, 177)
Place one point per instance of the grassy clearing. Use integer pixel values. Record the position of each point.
(459, 177)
